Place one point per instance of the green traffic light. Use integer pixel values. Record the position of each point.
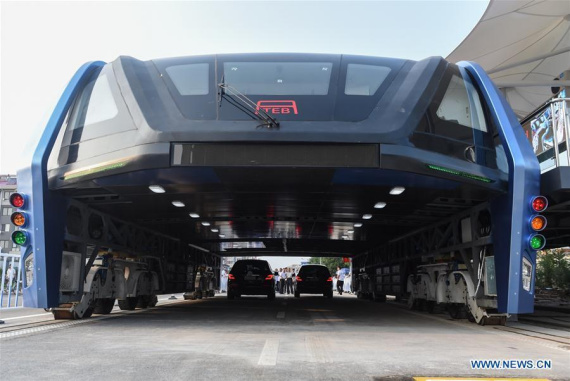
(19, 237)
(537, 242)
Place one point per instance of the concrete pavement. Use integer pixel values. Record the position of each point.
(286, 339)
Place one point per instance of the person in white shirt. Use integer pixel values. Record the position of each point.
(276, 277)
(282, 278)
(289, 281)
(10, 274)
(339, 279)
(224, 281)
(347, 281)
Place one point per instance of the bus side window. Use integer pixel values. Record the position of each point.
(456, 121)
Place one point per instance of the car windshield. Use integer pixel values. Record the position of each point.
(244, 268)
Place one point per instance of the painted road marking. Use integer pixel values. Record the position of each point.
(65, 324)
(477, 379)
(317, 350)
(268, 355)
(27, 316)
(281, 315)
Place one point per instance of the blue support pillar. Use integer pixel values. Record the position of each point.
(45, 208)
(511, 213)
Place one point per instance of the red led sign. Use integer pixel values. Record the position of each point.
(277, 107)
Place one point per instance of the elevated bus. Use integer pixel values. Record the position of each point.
(149, 170)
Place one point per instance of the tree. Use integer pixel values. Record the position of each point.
(553, 269)
(330, 262)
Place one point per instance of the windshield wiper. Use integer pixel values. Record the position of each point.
(243, 103)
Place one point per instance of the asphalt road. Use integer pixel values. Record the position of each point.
(310, 338)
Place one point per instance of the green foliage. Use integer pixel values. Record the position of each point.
(553, 269)
(330, 262)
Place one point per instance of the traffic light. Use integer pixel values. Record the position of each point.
(537, 222)
(20, 219)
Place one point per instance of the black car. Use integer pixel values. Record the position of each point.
(314, 279)
(251, 277)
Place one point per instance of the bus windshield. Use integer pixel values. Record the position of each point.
(279, 78)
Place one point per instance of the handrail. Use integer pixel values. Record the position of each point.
(555, 122)
(541, 108)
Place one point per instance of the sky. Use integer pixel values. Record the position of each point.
(43, 43)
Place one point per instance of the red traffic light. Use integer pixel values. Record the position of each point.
(539, 203)
(17, 200)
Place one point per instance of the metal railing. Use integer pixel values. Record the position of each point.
(548, 130)
(11, 287)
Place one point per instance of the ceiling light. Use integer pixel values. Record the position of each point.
(178, 204)
(194, 215)
(367, 216)
(379, 205)
(222, 236)
(397, 190)
(205, 223)
(350, 231)
(358, 225)
(344, 237)
(214, 230)
(156, 188)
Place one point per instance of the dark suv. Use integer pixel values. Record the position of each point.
(251, 277)
(314, 279)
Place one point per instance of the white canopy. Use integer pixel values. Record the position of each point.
(523, 45)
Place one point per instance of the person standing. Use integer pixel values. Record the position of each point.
(10, 272)
(224, 281)
(339, 279)
(276, 277)
(289, 281)
(282, 277)
(347, 283)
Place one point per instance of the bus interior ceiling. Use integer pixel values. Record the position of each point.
(316, 211)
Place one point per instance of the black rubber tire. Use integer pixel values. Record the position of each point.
(329, 295)
(231, 296)
(456, 311)
(104, 306)
(153, 301)
(422, 305)
(380, 298)
(128, 304)
(88, 312)
(143, 301)
(297, 294)
(430, 306)
(271, 296)
(411, 302)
